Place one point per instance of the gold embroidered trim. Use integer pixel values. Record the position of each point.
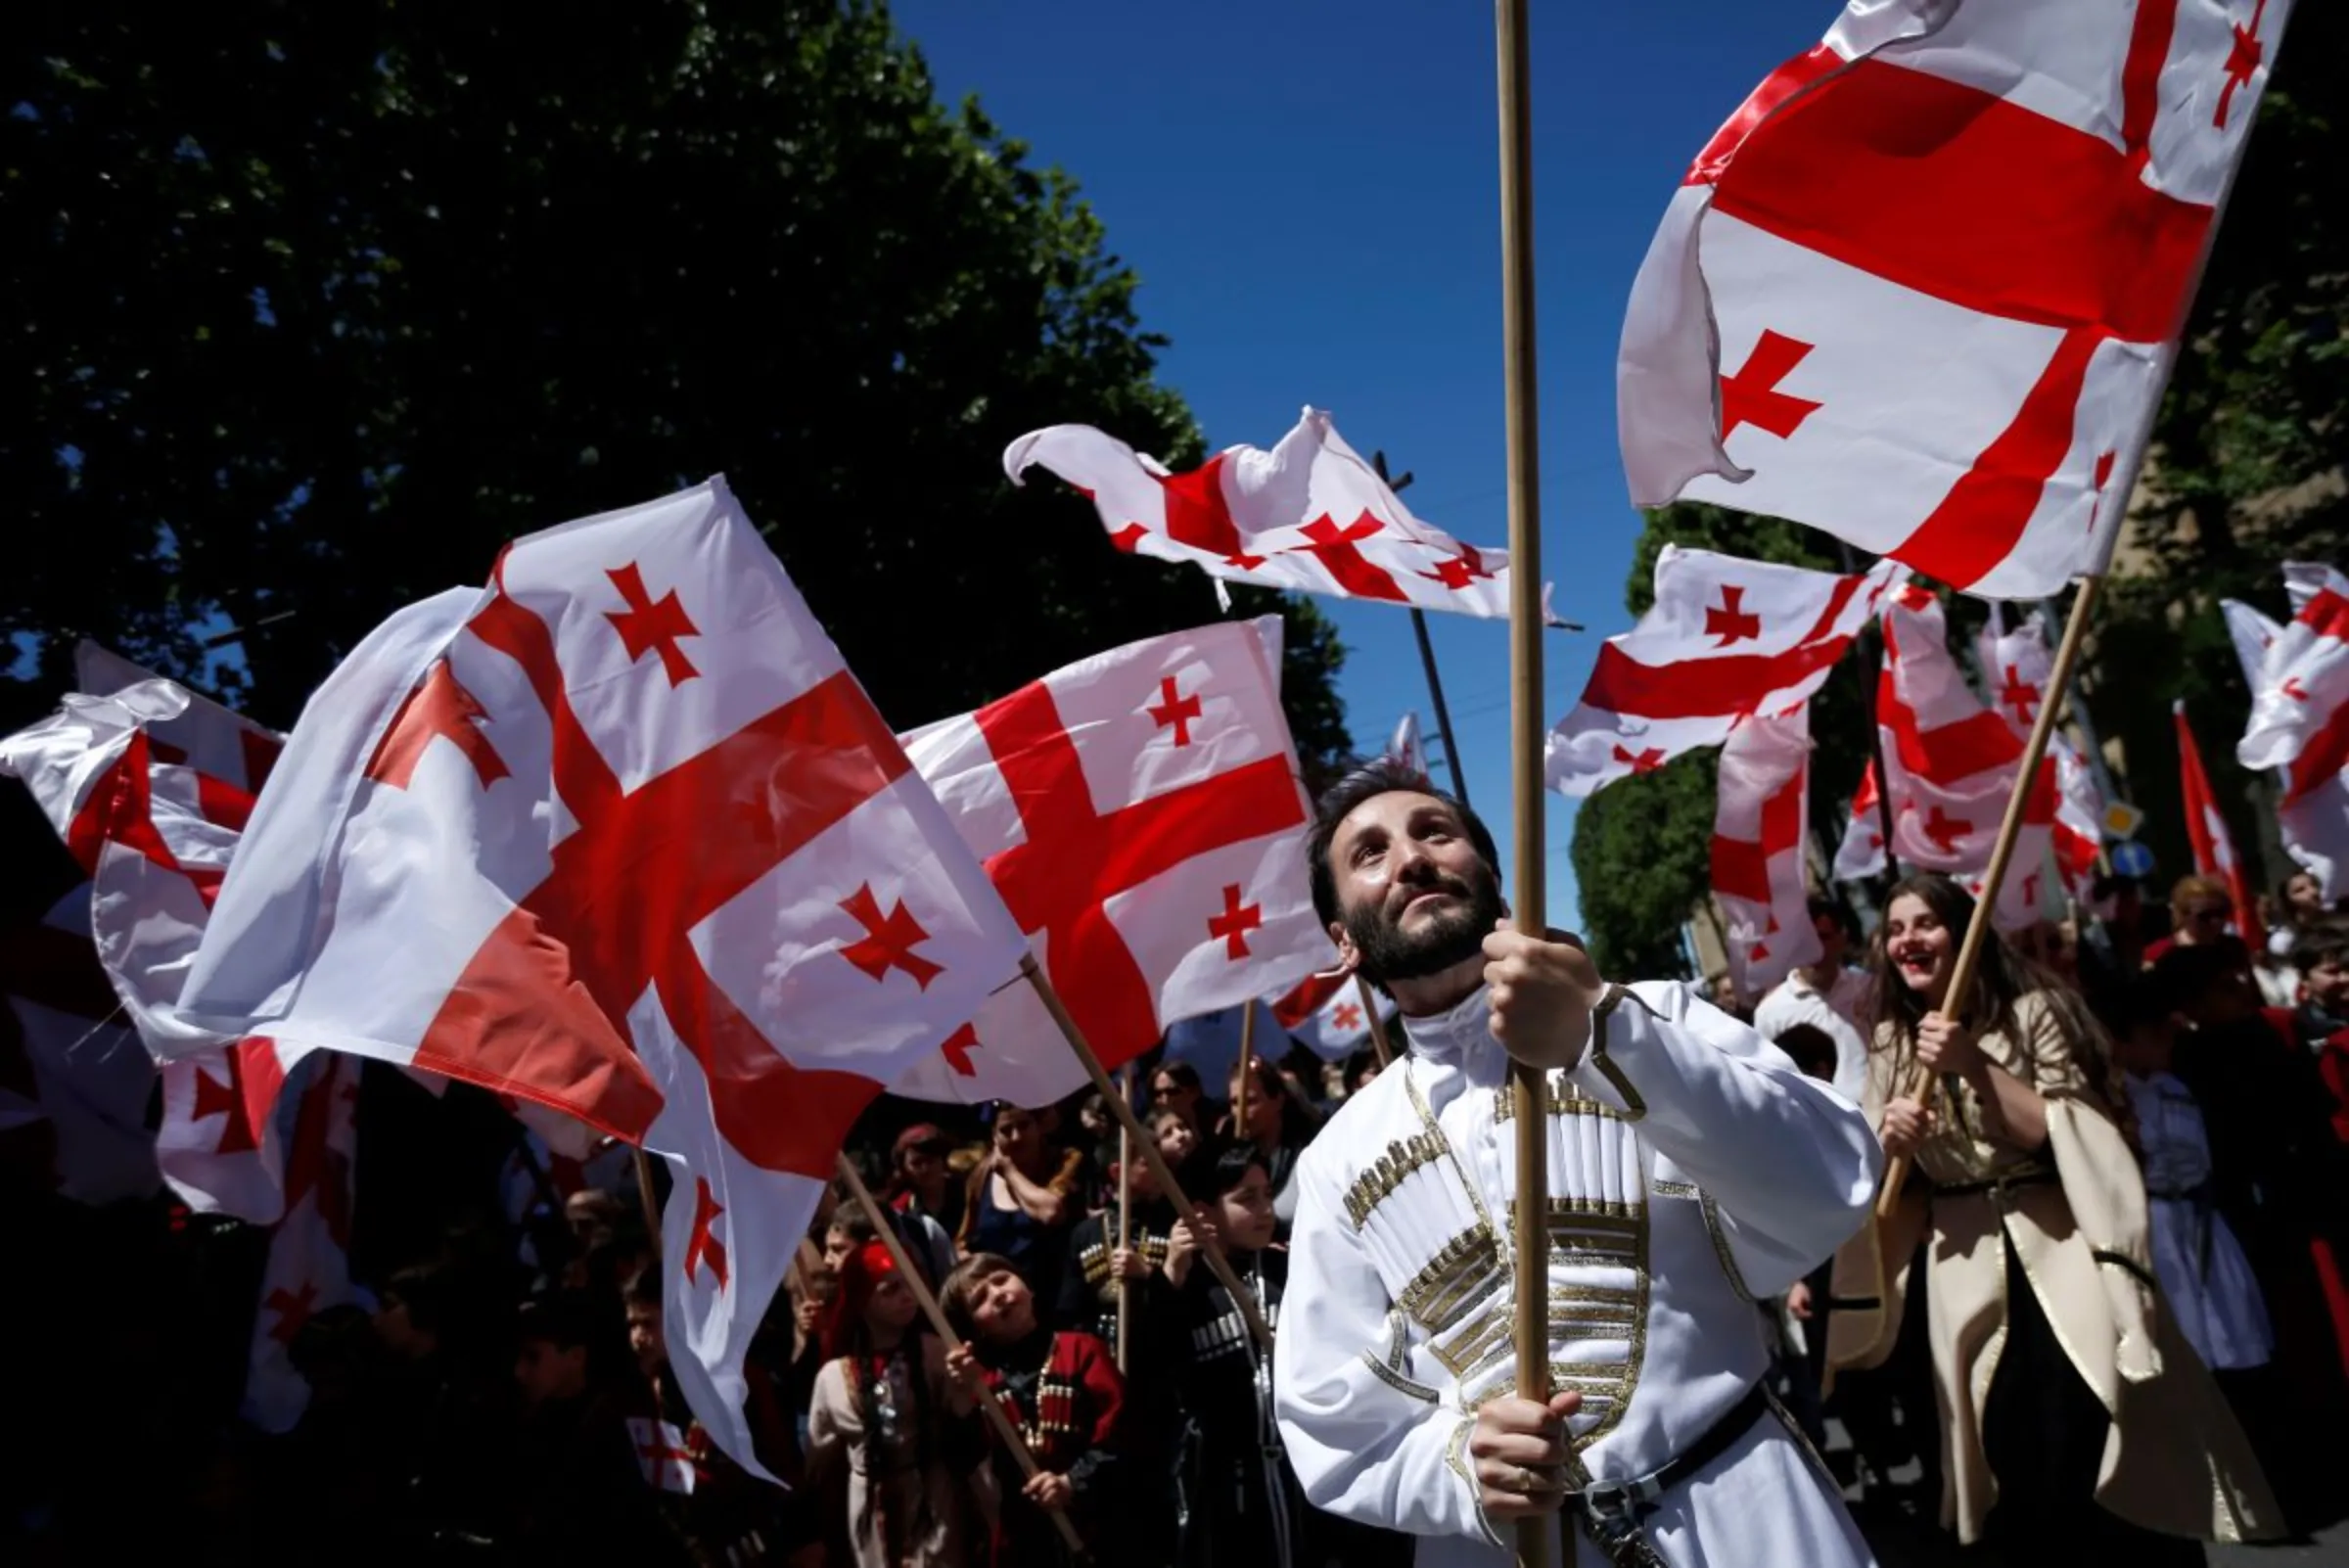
(1392, 1370)
(1455, 1454)
(1472, 1348)
(1633, 1107)
(1452, 1284)
(1673, 1189)
(1389, 1171)
(1721, 1249)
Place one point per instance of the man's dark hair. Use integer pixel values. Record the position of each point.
(1184, 1075)
(2321, 940)
(1811, 1047)
(1824, 904)
(1385, 776)
(564, 1318)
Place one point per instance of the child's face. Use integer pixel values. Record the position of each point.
(1002, 1308)
(645, 1337)
(892, 1306)
(1175, 1141)
(1245, 1213)
(2327, 981)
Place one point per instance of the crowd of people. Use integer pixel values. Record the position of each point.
(509, 1397)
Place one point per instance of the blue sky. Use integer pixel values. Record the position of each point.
(1310, 193)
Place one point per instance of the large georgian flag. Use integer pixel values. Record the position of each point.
(1725, 641)
(1919, 291)
(1141, 813)
(150, 787)
(2206, 831)
(2300, 723)
(2016, 666)
(621, 834)
(1756, 854)
(1308, 516)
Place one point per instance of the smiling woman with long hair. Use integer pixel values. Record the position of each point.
(2060, 1382)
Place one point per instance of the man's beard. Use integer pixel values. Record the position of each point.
(1447, 938)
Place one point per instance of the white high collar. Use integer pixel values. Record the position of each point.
(1460, 1036)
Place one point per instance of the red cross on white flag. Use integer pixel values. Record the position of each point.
(620, 835)
(1922, 288)
(150, 787)
(308, 1270)
(1308, 516)
(1157, 880)
(1757, 853)
(1325, 1012)
(2300, 723)
(1725, 641)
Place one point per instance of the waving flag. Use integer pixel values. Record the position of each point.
(1141, 813)
(1308, 516)
(1406, 746)
(1757, 857)
(1920, 290)
(1860, 855)
(2300, 723)
(2253, 635)
(2017, 665)
(1326, 1012)
(2206, 831)
(620, 835)
(308, 1270)
(1725, 641)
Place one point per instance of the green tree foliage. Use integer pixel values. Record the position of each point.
(313, 307)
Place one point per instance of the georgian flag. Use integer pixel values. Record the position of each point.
(1308, 516)
(1921, 290)
(1406, 746)
(2252, 633)
(1325, 1011)
(309, 1269)
(2016, 666)
(2206, 831)
(2300, 723)
(1142, 814)
(1756, 854)
(621, 834)
(1725, 641)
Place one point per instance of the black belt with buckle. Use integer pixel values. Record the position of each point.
(1997, 1185)
(1612, 1510)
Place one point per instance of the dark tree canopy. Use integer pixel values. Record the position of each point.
(313, 307)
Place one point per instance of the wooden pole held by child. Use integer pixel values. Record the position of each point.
(1125, 1214)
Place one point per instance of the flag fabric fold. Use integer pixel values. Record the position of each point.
(308, 1267)
(2206, 831)
(1725, 641)
(1142, 814)
(623, 836)
(2300, 724)
(1921, 290)
(1406, 746)
(1308, 516)
(1757, 853)
(2016, 668)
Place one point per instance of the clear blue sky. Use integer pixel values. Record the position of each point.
(1309, 191)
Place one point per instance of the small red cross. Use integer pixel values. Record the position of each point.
(700, 1245)
(1338, 549)
(1236, 922)
(1243, 561)
(2292, 688)
(2031, 890)
(648, 624)
(957, 1050)
(1175, 709)
(1752, 397)
(658, 1454)
(2243, 62)
(229, 1101)
(1946, 831)
(292, 1309)
(1729, 619)
(2103, 473)
(1647, 761)
(1458, 570)
(1345, 1015)
(1761, 951)
(889, 940)
(440, 708)
(2019, 695)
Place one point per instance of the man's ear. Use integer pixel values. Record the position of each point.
(1348, 955)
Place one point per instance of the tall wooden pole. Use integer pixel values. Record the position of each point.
(1125, 1215)
(1978, 930)
(1380, 1044)
(1240, 1096)
(1006, 1428)
(1526, 891)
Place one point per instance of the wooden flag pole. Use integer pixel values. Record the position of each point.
(1380, 1044)
(1239, 1098)
(1527, 1084)
(1978, 929)
(1125, 1214)
(1006, 1428)
(1242, 1297)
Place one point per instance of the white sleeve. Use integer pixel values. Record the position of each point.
(1790, 1165)
(1362, 1447)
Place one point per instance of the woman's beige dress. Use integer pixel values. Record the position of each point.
(2075, 1214)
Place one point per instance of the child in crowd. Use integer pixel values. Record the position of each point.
(885, 1410)
(1064, 1392)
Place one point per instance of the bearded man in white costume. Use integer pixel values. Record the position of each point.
(1692, 1170)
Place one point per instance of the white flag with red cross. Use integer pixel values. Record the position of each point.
(1141, 813)
(663, 1455)
(1919, 290)
(620, 835)
(2300, 723)
(1860, 854)
(2252, 633)
(1950, 763)
(2016, 668)
(123, 771)
(1725, 641)
(1756, 854)
(308, 1270)
(1325, 1011)
(2206, 831)
(1308, 516)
